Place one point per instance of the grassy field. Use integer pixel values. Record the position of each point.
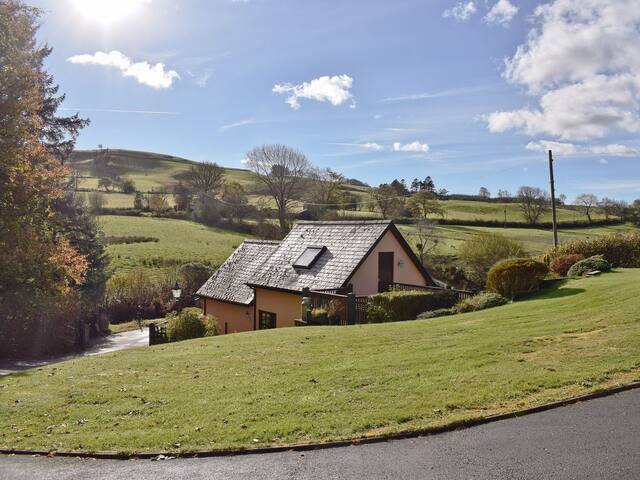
(181, 241)
(317, 384)
(536, 241)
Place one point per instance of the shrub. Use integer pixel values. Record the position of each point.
(126, 291)
(516, 276)
(597, 262)
(480, 302)
(185, 325)
(619, 249)
(561, 264)
(192, 276)
(482, 251)
(441, 312)
(319, 316)
(408, 304)
(378, 314)
(211, 326)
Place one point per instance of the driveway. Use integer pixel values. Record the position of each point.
(110, 343)
(589, 440)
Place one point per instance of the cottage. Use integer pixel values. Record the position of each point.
(261, 283)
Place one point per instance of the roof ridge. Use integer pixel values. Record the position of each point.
(343, 222)
(256, 240)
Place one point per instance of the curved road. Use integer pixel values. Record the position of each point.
(598, 439)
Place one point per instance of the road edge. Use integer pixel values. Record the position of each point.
(457, 425)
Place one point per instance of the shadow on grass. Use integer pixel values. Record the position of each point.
(557, 289)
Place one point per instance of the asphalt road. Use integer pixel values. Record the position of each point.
(110, 343)
(597, 439)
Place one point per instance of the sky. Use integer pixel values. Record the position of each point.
(471, 93)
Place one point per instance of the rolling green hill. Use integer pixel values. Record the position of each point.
(317, 384)
(153, 171)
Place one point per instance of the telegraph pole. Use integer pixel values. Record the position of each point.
(554, 218)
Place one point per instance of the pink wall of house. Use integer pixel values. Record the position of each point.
(365, 279)
(233, 315)
(285, 305)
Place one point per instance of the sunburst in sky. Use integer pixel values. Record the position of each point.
(107, 12)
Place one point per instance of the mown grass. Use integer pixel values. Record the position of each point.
(317, 384)
(180, 241)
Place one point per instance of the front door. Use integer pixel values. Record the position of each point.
(385, 271)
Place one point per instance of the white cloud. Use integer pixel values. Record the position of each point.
(560, 148)
(335, 90)
(438, 94)
(461, 11)
(616, 150)
(603, 161)
(581, 62)
(501, 13)
(411, 147)
(200, 78)
(151, 75)
(377, 116)
(240, 123)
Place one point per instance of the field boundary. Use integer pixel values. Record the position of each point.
(457, 425)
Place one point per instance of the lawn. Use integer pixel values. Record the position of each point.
(317, 384)
(180, 241)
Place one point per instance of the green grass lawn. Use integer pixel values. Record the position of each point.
(536, 241)
(181, 241)
(317, 384)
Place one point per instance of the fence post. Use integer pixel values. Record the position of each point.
(351, 308)
(152, 334)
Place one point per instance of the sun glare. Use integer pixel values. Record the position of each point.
(107, 12)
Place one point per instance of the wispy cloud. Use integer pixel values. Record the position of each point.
(336, 90)
(154, 76)
(239, 123)
(438, 94)
(117, 110)
(501, 13)
(367, 145)
(616, 150)
(461, 11)
(561, 148)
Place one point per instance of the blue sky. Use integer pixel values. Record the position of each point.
(468, 92)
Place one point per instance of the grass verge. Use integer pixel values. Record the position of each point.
(318, 384)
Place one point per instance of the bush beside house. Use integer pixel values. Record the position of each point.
(190, 323)
(516, 276)
(407, 304)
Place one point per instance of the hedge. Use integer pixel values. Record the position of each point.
(561, 264)
(481, 301)
(407, 304)
(516, 276)
(619, 249)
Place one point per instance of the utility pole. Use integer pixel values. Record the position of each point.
(554, 218)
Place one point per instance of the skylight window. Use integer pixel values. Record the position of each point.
(309, 257)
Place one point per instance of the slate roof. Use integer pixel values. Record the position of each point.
(347, 244)
(228, 283)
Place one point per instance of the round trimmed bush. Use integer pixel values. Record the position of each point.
(597, 262)
(561, 264)
(185, 325)
(516, 276)
(480, 302)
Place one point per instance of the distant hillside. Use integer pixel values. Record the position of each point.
(148, 170)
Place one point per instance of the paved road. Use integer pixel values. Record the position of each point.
(111, 343)
(598, 439)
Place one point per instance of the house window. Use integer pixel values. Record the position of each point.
(309, 257)
(266, 320)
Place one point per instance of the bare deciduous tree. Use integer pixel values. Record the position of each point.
(386, 199)
(206, 178)
(587, 202)
(484, 192)
(534, 202)
(325, 187)
(282, 170)
(425, 239)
